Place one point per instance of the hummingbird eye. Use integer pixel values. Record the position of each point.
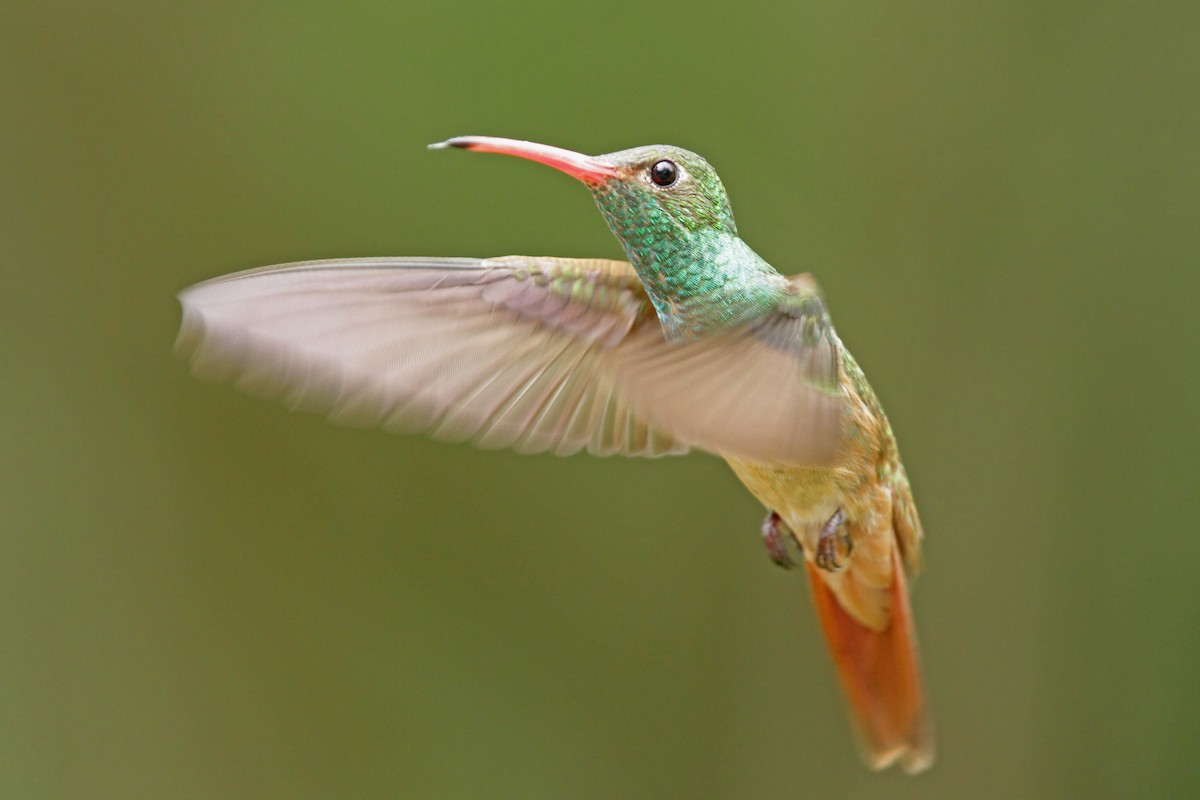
(664, 173)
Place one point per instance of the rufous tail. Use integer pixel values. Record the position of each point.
(880, 675)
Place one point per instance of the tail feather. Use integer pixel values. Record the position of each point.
(880, 676)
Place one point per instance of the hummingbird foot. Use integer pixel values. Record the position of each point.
(775, 534)
(827, 543)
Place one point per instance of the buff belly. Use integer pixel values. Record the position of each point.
(805, 499)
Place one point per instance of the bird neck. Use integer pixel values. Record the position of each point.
(701, 279)
(699, 274)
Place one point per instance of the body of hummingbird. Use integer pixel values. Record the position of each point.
(695, 342)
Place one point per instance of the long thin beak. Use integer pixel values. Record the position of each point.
(577, 165)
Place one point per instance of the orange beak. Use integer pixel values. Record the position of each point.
(578, 166)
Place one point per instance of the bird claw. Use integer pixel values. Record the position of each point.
(827, 543)
(775, 534)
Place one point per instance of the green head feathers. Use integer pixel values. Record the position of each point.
(664, 192)
(669, 210)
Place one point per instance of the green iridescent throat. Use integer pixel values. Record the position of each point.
(700, 275)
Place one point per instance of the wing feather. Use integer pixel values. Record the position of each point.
(491, 352)
(536, 354)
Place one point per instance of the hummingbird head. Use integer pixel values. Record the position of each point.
(671, 214)
(655, 192)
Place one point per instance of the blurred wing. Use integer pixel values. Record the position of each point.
(500, 352)
(768, 391)
(537, 354)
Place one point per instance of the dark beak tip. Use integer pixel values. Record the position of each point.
(462, 142)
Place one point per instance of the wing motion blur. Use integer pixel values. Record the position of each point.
(537, 354)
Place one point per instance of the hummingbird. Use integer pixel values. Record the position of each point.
(693, 343)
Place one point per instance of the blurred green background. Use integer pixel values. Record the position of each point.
(202, 595)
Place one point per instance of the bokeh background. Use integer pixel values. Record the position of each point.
(203, 595)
